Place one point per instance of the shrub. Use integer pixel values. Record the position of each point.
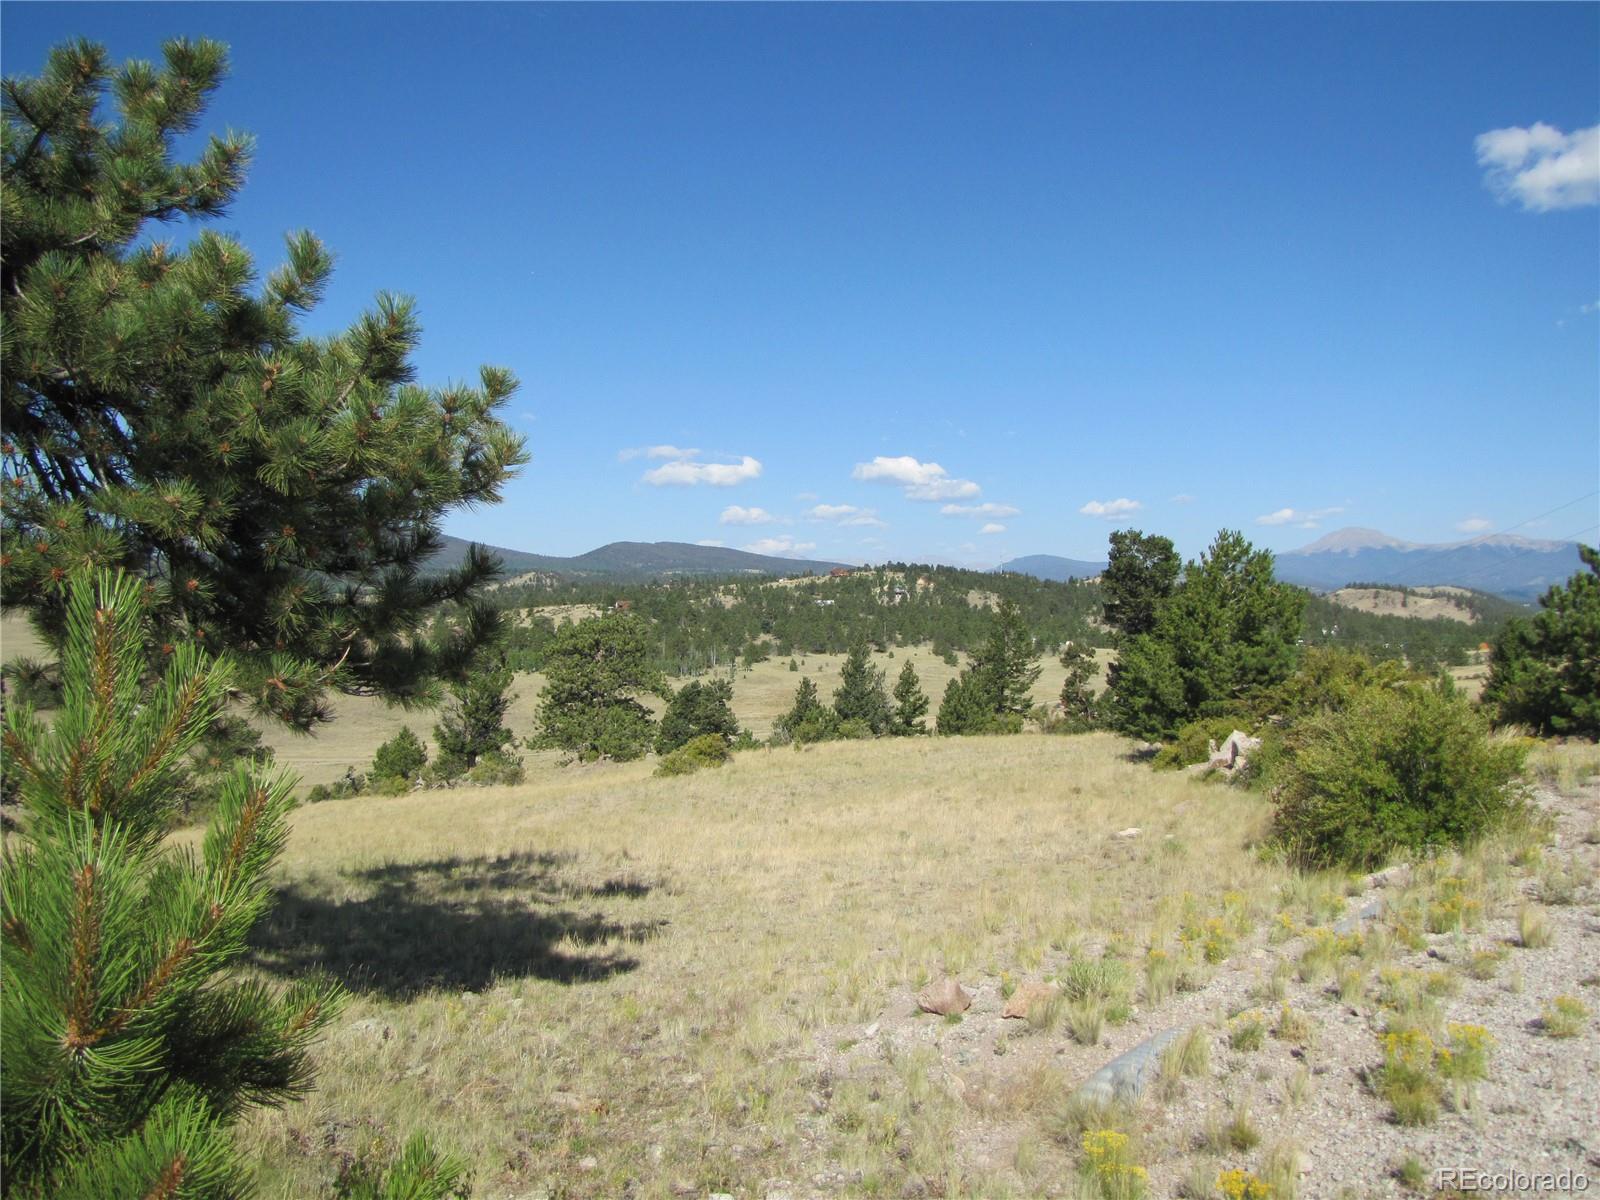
(1410, 768)
(707, 750)
(402, 756)
(498, 768)
(1564, 1017)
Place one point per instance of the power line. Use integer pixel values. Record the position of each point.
(1410, 569)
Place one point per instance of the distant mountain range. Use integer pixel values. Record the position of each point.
(1505, 564)
(1050, 566)
(1517, 568)
(637, 560)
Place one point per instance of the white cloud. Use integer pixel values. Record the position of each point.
(807, 496)
(735, 514)
(1183, 498)
(903, 470)
(922, 481)
(687, 474)
(708, 542)
(944, 489)
(1589, 310)
(783, 545)
(1474, 525)
(846, 514)
(980, 510)
(1540, 167)
(1300, 517)
(993, 527)
(1111, 510)
(656, 452)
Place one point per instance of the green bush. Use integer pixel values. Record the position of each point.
(1405, 768)
(388, 785)
(497, 768)
(402, 756)
(707, 750)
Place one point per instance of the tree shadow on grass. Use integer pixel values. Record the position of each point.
(454, 924)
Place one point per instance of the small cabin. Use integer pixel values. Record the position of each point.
(622, 606)
(839, 572)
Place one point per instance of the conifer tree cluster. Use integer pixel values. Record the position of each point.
(1198, 648)
(162, 411)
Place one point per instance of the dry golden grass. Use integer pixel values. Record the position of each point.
(603, 982)
(1423, 604)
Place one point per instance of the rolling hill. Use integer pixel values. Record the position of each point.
(637, 560)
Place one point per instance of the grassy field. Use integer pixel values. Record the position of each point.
(603, 983)
(760, 695)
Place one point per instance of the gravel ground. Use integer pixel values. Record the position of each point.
(1537, 1112)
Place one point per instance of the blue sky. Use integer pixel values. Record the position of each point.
(1177, 267)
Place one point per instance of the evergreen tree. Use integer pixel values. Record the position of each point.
(861, 695)
(1010, 661)
(1141, 576)
(402, 757)
(1545, 670)
(697, 709)
(277, 491)
(131, 1047)
(1079, 706)
(473, 724)
(595, 671)
(808, 719)
(910, 704)
(1228, 630)
(971, 705)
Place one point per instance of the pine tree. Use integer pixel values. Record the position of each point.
(595, 671)
(1545, 670)
(125, 1047)
(278, 492)
(861, 695)
(131, 1047)
(1227, 631)
(808, 718)
(402, 757)
(473, 725)
(1141, 575)
(695, 710)
(1078, 704)
(970, 705)
(1010, 661)
(910, 704)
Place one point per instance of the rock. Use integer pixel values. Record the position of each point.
(871, 1031)
(1126, 1076)
(945, 997)
(1026, 996)
(1236, 751)
(370, 1028)
(1132, 831)
(588, 1163)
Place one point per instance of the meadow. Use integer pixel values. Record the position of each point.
(601, 982)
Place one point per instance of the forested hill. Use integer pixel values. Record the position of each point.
(706, 624)
(636, 561)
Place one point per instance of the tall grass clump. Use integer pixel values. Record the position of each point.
(1410, 767)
